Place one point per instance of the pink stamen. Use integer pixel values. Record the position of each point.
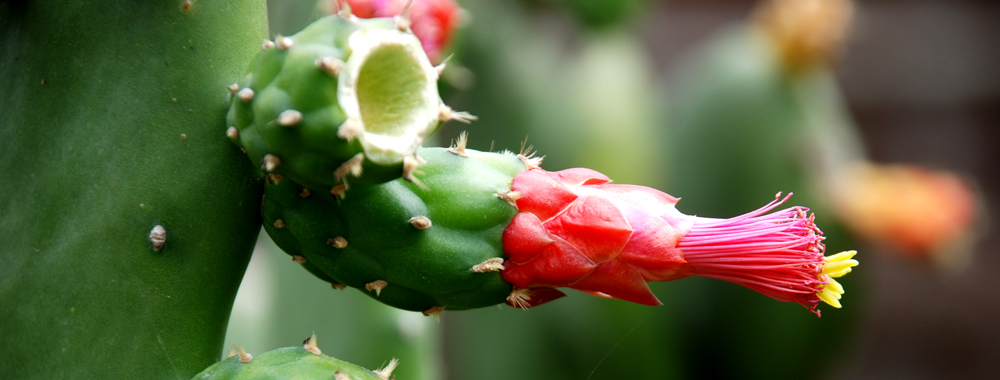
(778, 254)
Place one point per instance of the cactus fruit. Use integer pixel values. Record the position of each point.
(442, 246)
(405, 246)
(306, 362)
(343, 100)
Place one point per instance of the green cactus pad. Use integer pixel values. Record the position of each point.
(285, 363)
(342, 100)
(126, 218)
(368, 241)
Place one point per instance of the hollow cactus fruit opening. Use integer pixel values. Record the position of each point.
(345, 99)
(388, 91)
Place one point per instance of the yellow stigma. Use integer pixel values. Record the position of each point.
(836, 266)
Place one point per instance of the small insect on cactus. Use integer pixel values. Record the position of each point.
(306, 362)
(343, 100)
(488, 228)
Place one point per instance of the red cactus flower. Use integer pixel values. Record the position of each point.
(432, 21)
(574, 229)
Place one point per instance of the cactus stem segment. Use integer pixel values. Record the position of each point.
(386, 371)
(270, 162)
(234, 88)
(246, 94)
(283, 43)
(434, 311)
(490, 265)
(331, 65)
(420, 222)
(274, 178)
(299, 259)
(377, 286)
(311, 345)
(338, 286)
(352, 167)
(458, 148)
(279, 223)
(266, 45)
(445, 113)
(245, 357)
(338, 242)
(289, 118)
(233, 133)
(158, 237)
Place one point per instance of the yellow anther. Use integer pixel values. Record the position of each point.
(840, 264)
(835, 286)
(842, 256)
(836, 266)
(827, 296)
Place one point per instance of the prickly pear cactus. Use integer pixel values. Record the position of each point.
(412, 247)
(345, 99)
(126, 217)
(306, 362)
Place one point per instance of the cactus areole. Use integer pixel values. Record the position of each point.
(486, 228)
(344, 100)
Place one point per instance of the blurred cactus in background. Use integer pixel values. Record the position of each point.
(924, 215)
(754, 110)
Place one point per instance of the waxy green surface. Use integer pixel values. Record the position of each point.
(112, 122)
(423, 268)
(285, 363)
